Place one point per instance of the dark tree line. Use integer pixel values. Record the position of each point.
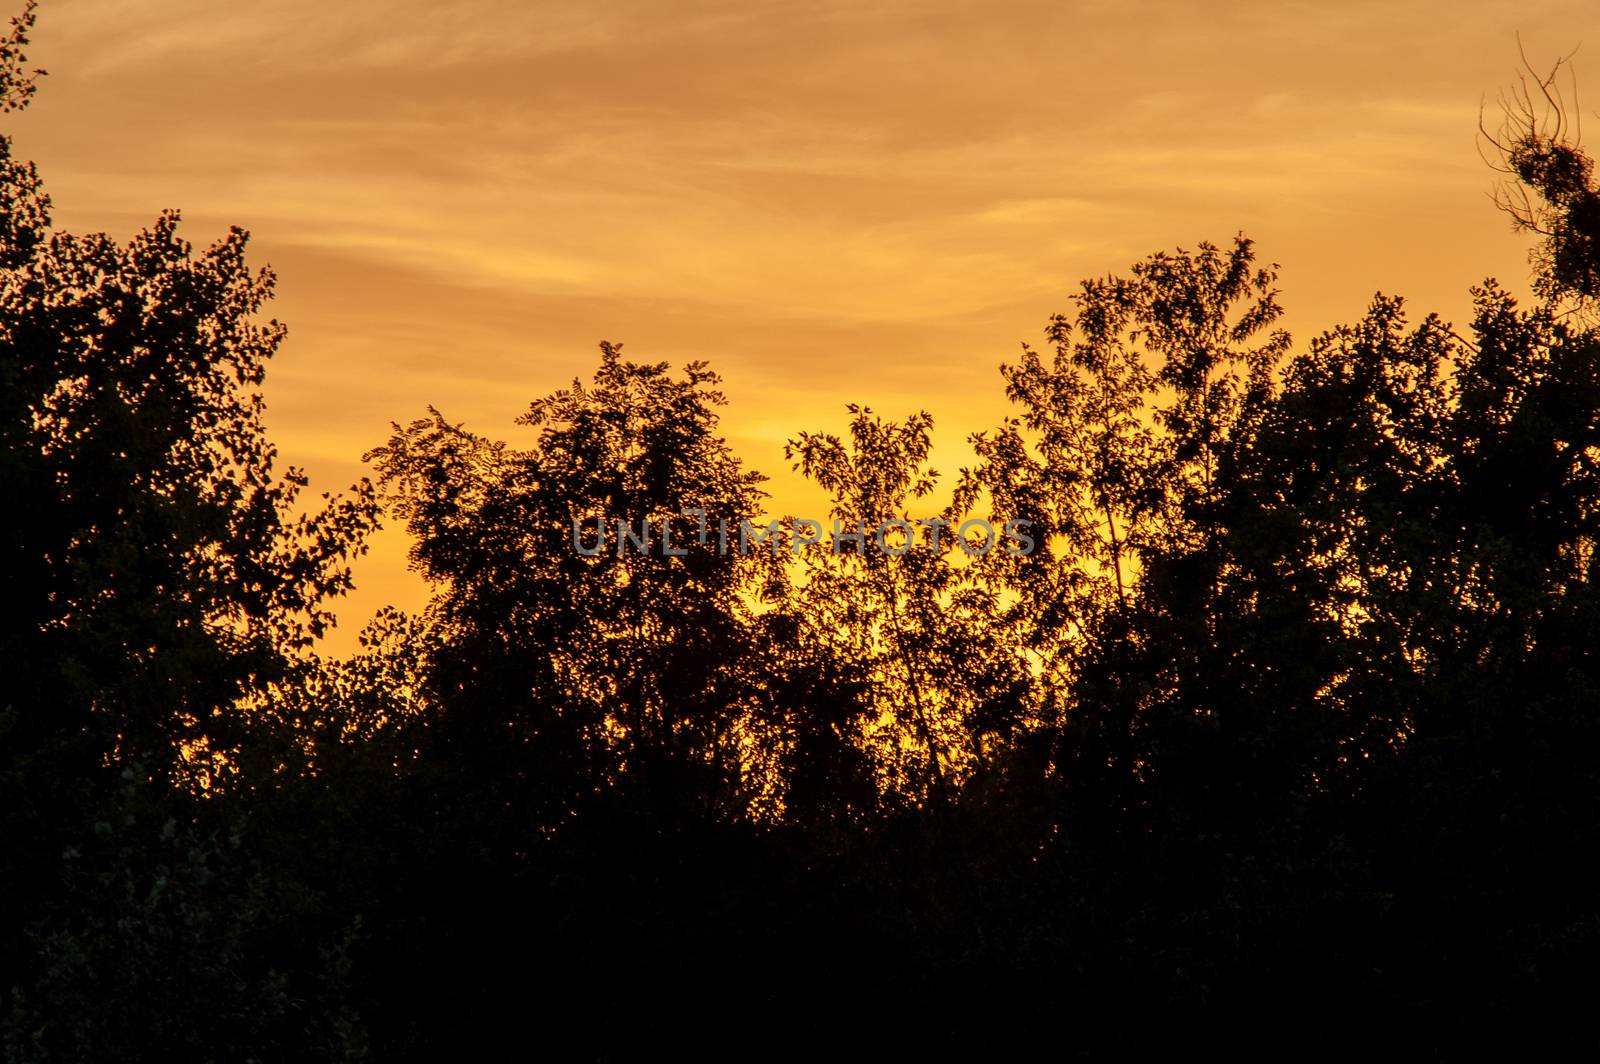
(1294, 706)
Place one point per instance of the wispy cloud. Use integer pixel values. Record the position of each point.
(833, 201)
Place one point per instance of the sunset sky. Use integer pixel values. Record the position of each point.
(831, 202)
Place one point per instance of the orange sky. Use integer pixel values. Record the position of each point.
(831, 202)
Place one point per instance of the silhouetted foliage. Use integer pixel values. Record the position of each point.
(1552, 191)
(627, 670)
(156, 579)
(1294, 701)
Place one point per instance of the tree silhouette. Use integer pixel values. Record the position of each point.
(1293, 700)
(1552, 191)
(628, 663)
(156, 579)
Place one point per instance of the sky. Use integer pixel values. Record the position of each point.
(830, 202)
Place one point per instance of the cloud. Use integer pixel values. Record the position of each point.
(834, 201)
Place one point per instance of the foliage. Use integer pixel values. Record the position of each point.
(158, 576)
(627, 669)
(1294, 701)
(1551, 189)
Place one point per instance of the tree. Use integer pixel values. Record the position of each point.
(157, 575)
(1125, 439)
(892, 603)
(568, 652)
(1552, 192)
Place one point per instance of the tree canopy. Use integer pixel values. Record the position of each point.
(1291, 699)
